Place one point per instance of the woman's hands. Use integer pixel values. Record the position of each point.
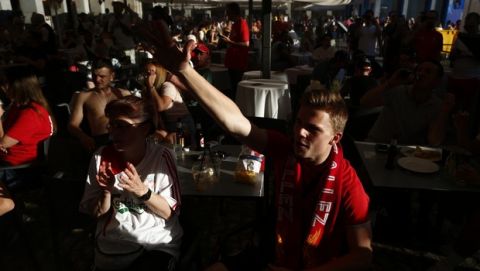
(105, 176)
(131, 182)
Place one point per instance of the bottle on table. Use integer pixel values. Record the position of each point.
(199, 137)
(391, 154)
(180, 135)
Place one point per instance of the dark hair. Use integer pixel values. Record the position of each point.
(160, 13)
(133, 107)
(329, 101)
(102, 63)
(234, 8)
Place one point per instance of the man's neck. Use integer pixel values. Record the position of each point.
(107, 90)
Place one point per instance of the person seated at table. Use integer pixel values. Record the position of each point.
(361, 81)
(281, 49)
(6, 202)
(324, 51)
(409, 112)
(319, 197)
(332, 70)
(28, 120)
(132, 189)
(201, 61)
(162, 88)
(91, 105)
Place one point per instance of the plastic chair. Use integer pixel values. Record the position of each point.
(27, 174)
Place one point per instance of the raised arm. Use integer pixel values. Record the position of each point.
(225, 112)
(375, 97)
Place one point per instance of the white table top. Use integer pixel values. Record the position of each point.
(374, 163)
(294, 72)
(275, 75)
(226, 186)
(266, 98)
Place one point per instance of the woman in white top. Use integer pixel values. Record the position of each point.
(163, 90)
(132, 188)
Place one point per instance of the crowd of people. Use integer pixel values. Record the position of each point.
(132, 187)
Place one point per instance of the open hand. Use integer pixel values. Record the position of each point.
(131, 181)
(105, 177)
(167, 53)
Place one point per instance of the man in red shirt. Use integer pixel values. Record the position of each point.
(428, 42)
(236, 59)
(322, 209)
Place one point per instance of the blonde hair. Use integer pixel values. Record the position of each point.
(161, 74)
(319, 97)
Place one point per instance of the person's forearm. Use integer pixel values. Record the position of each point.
(159, 206)
(221, 108)
(160, 102)
(103, 204)
(240, 43)
(2, 133)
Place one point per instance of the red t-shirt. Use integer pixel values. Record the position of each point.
(428, 45)
(29, 125)
(236, 57)
(351, 200)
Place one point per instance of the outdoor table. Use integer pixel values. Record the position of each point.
(265, 98)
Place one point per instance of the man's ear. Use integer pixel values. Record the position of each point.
(336, 138)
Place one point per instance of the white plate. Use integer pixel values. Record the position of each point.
(418, 165)
(427, 153)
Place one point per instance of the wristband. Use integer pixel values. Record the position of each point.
(146, 196)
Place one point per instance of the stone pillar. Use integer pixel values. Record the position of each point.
(188, 12)
(289, 11)
(97, 8)
(5, 5)
(404, 8)
(83, 6)
(309, 14)
(376, 8)
(30, 6)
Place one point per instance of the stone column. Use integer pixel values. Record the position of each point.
(404, 8)
(5, 5)
(83, 6)
(376, 9)
(30, 6)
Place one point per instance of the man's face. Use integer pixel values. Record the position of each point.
(103, 77)
(427, 76)
(201, 59)
(313, 135)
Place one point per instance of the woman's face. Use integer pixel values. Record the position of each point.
(128, 134)
(150, 69)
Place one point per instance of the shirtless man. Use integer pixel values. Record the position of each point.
(91, 104)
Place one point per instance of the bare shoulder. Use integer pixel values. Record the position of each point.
(124, 92)
(81, 96)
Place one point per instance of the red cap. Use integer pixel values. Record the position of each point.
(202, 48)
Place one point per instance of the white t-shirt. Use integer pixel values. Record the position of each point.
(130, 227)
(177, 109)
